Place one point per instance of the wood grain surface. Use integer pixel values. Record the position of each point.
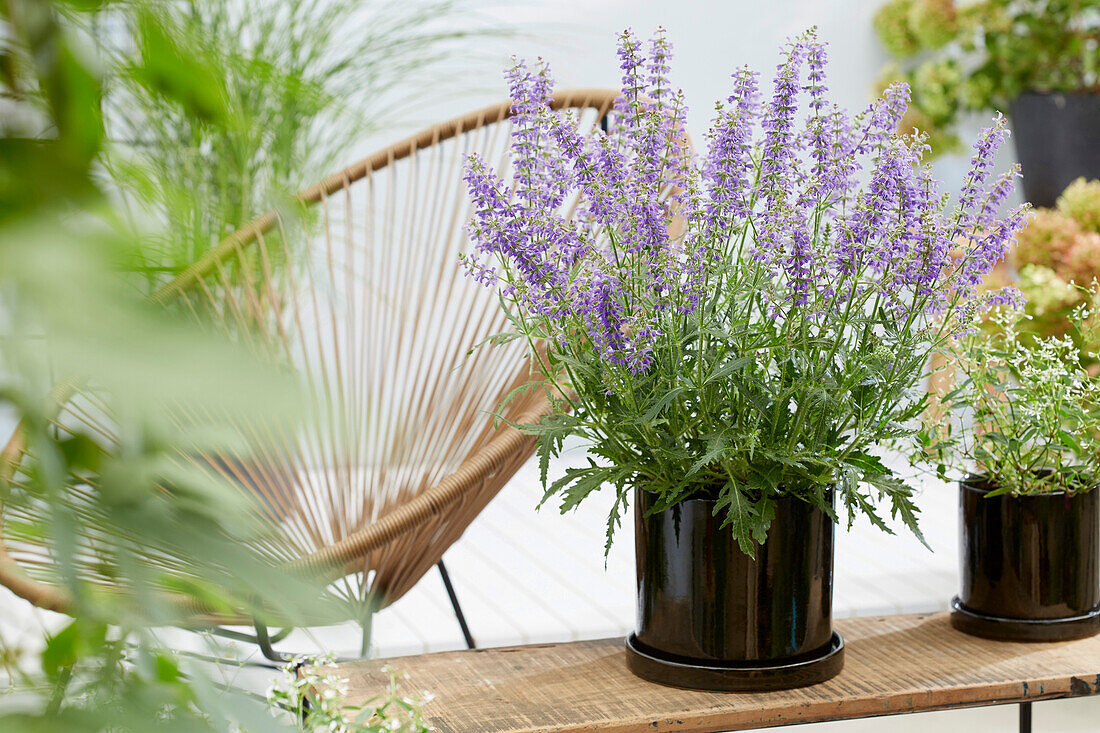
(894, 664)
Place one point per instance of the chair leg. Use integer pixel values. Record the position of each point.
(303, 715)
(366, 623)
(264, 641)
(457, 608)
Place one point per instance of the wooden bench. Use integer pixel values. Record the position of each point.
(894, 664)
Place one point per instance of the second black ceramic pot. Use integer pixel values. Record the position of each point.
(1057, 139)
(1029, 565)
(712, 617)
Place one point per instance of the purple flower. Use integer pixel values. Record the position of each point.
(778, 159)
(967, 215)
(580, 235)
(817, 125)
(729, 164)
(606, 236)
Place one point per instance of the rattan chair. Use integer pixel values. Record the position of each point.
(361, 292)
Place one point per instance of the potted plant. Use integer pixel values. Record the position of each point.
(734, 337)
(1035, 61)
(1027, 450)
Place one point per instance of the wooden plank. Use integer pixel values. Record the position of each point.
(894, 664)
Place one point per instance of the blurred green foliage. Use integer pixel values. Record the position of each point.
(137, 539)
(276, 93)
(980, 55)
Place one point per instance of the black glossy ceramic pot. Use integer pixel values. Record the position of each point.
(711, 617)
(1030, 565)
(1057, 139)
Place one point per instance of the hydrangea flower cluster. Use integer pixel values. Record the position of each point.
(744, 322)
(1058, 255)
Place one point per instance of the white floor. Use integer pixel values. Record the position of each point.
(526, 576)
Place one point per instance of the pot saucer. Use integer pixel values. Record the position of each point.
(757, 676)
(999, 628)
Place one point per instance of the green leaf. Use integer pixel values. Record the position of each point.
(745, 520)
(1070, 442)
(658, 407)
(866, 462)
(716, 445)
(509, 398)
(166, 668)
(167, 69)
(901, 500)
(729, 368)
(81, 452)
(65, 649)
(855, 501)
(576, 484)
(545, 448)
(497, 339)
(613, 521)
(62, 650)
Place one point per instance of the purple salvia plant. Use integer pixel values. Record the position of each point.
(748, 324)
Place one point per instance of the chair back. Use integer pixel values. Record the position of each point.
(357, 287)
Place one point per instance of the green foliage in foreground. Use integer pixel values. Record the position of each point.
(310, 692)
(278, 93)
(138, 539)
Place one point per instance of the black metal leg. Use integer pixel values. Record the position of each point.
(454, 604)
(370, 607)
(303, 716)
(263, 640)
(1025, 717)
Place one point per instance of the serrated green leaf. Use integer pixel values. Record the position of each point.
(658, 407)
(745, 521)
(715, 447)
(729, 368)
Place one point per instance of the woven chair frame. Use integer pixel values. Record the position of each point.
(423, 525)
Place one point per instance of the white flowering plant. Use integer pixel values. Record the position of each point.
(1025, 413)
(309, 691)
